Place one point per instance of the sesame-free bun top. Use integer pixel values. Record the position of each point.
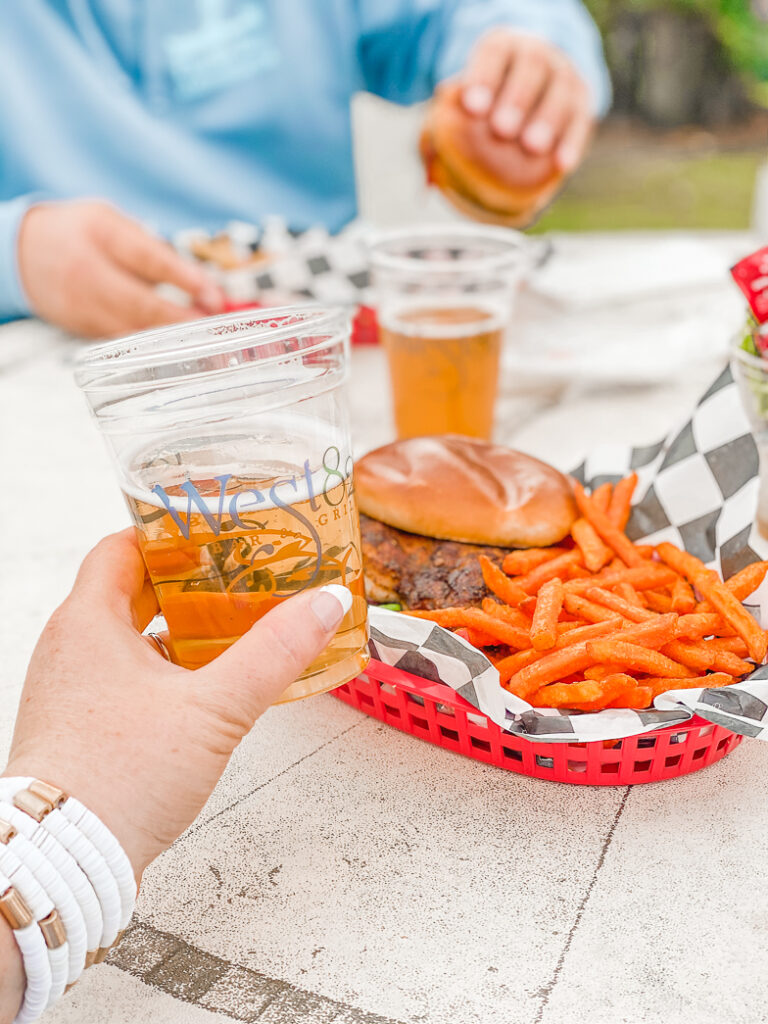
(463, 489)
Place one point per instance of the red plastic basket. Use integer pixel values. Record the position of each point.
(434, 712)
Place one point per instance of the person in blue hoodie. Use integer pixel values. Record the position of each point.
(118, 114)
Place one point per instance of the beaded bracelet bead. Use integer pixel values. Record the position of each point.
(34, 952)
(42, 802)
(111, 851)
(66, 865)
(70, 944)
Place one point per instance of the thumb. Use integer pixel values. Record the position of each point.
(252, 674)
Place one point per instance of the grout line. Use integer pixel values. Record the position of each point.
(179, 982)
(195, 827)
(547, 990)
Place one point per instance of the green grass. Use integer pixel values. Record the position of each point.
(653, 189)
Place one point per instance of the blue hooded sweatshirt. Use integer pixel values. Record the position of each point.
(197, 112)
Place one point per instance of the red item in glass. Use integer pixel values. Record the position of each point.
(751, 275)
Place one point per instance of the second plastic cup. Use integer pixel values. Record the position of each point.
(444, 298)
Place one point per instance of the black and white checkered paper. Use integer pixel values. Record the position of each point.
(698, 489)
(312, 266)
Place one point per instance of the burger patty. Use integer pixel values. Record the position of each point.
(420, 572)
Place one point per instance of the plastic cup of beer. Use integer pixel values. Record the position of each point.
(444, 298)
(231, 441)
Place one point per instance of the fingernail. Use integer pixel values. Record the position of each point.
(567, 157)
(211, 297)
(507, 121)
(539, 136)
(330, 604)
(477, 99)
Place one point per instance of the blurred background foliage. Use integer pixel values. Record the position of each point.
(688, 128)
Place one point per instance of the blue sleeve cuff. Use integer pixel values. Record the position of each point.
(564, 23)
(13, 302)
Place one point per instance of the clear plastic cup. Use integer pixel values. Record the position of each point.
(444, 298)
(750, 372)
(231, 441)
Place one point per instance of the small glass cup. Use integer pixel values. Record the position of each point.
(750, 371)
(444, 298)
(231, 441)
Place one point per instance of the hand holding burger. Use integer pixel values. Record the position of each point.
(499, 140)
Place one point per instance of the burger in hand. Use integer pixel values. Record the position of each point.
(484, 176)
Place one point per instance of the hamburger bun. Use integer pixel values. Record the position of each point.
(461, 489)
(485, 177)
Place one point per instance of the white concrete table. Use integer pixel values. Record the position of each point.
(343, 871)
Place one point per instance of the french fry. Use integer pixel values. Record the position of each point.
(647, 576)
(548, 605)
(602, 496)
(550, 668)
(727, 661)
(746, 582)
(587, 610)
(500, 584)
(683, 598)
(518, 563)
(599, 672)
(655, 632)
(448, 618)
(565, 694)
(609, 533)
(628, 609)
(612, 687)
(567, 627)
(593, 551)
(592, 631)
(661, 603)
(512, 664)
(557, 567)
(645, 550)
(621, 501)
(683, 563)
(698, 625)
(734, 644)
(692, 655)
(722, 600)
(476, 637)
(661, 685)
(628, 592)
(635, 658)
(513, 616)
(638, 698)
(502, 632)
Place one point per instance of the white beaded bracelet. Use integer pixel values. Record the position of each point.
(39, 899)
(111, 851)
(65, 864)
(74, 944)
(34, 952)
(95, 868)
(66, 887)
(41, 802)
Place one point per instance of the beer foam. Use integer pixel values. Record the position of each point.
(206, 458)
(254, 498)
(490, 318)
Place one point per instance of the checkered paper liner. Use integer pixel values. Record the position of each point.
(312, 266)
(697, 489)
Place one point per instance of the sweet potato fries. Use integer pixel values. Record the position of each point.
(601, 622)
